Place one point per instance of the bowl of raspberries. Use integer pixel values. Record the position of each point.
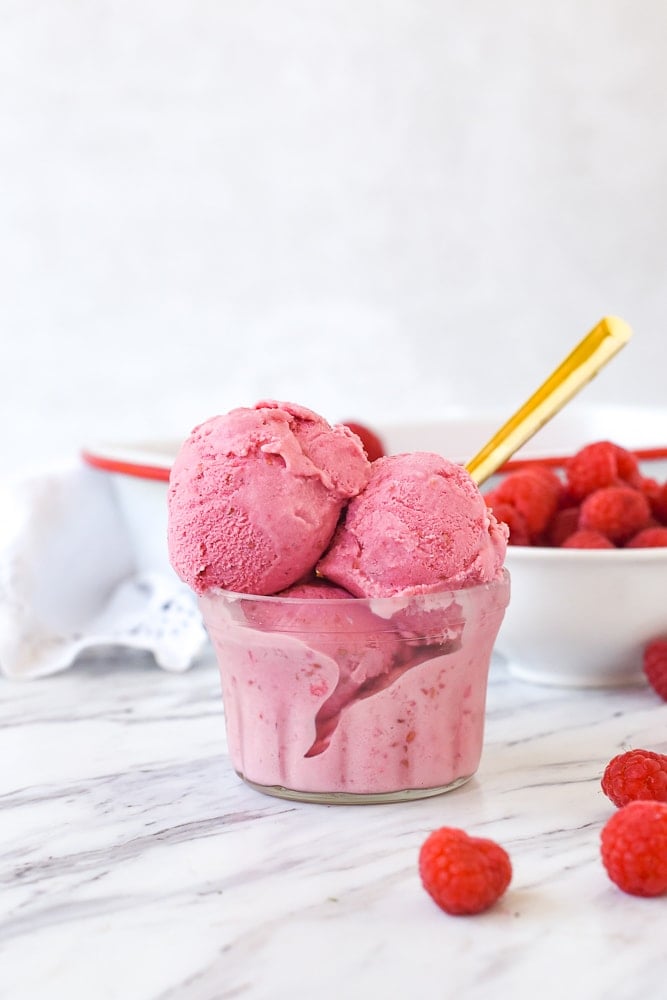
(588, 560)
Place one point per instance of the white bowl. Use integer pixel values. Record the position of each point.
(581, 617)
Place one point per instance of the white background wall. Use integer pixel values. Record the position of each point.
(379, 208)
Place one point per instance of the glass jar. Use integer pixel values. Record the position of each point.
(355, 700)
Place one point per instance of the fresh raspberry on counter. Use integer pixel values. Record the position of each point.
(648, 538)
(618, 512)
(636, 774)
(586, 539)
(598, 465)
(633, 847)
(462, 874)
(655, 665)
(373, 446)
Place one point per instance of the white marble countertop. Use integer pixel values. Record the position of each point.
(134, 863)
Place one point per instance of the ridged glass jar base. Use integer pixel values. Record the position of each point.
(352, 798)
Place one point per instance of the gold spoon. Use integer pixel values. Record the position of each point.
(579, 367)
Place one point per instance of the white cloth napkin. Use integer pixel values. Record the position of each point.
(68, 579)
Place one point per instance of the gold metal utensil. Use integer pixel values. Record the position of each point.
(579, 367)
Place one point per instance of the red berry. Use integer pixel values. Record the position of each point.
(628, 467)
(584, 539)
(633, 846)
(636, 774)
(651, 490)
(648, 538)
(618, 512)
(658, 500)
(373, 446)
(600, 464)
(546, 474)
(463, 874)
(515, 521)
(604, 502)
(563, 524)
(566, 499)
(534, 498)
(655, 666)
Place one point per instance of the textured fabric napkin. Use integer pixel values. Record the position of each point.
(69, 582)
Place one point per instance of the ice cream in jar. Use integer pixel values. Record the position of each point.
(353, 606)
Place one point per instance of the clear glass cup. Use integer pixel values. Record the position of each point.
(355, 700)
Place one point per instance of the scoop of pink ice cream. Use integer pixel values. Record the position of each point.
(254, 496)
(420, 525)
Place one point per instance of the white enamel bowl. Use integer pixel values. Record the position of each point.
(581, 617)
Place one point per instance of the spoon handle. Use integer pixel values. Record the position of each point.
(579, 367)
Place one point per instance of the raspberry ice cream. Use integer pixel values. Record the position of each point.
(255, 495)
(420, 524)
(367, 681)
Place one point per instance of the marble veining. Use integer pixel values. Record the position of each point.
(135, 865)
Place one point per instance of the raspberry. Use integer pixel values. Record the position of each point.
(651, 490)
(633, 846)
(600, 464)
(604, 501)
(648, 538)
(628, 467)
(463, 874)
(618, 512)
(373, 446)
(655, 666)
(566, 499)
(636, 774)
(534, 498)
(515, 521)
(563, 524)
(585, 539)
(547, 475)
(658, 500)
